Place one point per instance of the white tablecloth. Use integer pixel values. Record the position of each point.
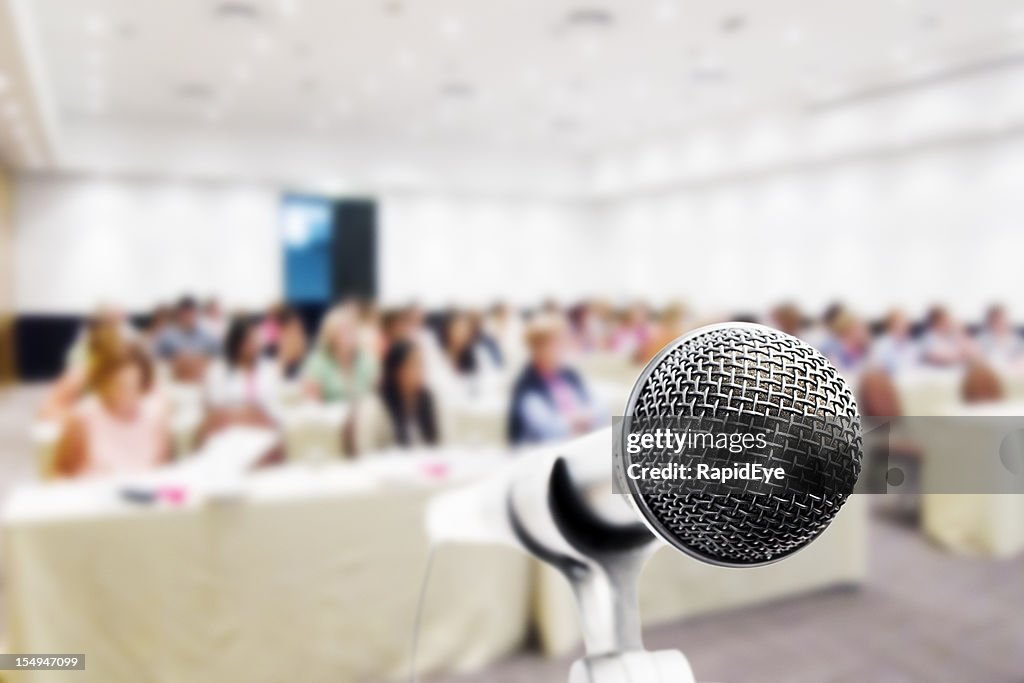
(973, 503)
(301, 574)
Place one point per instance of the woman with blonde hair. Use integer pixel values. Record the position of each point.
(339, 368)
(122, 426)
(103, 340)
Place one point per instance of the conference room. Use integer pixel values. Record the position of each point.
(317, 318)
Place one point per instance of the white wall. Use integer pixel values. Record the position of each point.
(444, 250)
(911, 229)
(908, 228)
(79, 242)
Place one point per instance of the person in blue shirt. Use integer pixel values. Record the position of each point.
(550, 401)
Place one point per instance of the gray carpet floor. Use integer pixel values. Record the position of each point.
(925, 615)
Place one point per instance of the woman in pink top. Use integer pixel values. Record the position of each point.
(121, 427)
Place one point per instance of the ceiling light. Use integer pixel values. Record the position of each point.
(406, 59)
(262, 43)
(236, 9)
(288, 8)
(589, 17)
(451, 28)
(900, 55)
(97, 26)
(241, 73)
(667, 11)
(734, 23)
(194, 91)
(457, 89)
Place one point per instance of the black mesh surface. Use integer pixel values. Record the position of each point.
(748, 379)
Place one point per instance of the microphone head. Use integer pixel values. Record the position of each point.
(741, 379)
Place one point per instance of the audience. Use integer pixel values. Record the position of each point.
(403, 413)
(998, 341)
(549, 400)
(896, 349)
(291, 344)
(461, 348)
(339, 368)
(122, 426)
(103, 339)
(633, 335)
(847, 341)
(116, 421)
(945, 343)
(244, 387)
(186, 344)
(213, 320)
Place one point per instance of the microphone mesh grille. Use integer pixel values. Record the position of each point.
(760, 380)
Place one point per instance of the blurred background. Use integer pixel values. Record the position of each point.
(274, 272)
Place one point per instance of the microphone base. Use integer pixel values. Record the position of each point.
(630, 667)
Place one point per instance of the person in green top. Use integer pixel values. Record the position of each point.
(339, 369)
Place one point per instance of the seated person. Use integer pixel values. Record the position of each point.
(122, 427)
(103, 339)
(339, 369)
(945, 343)
(549, 400)
(998, 341)
(847, 342)
(244, 387)
(291, 344)
(403, 413)
(896, 350)
(634, 333)
(186, 344)
(460, 348)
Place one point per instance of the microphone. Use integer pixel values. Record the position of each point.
(707, 418)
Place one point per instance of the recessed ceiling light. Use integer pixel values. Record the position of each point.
(288, 8)
(451, 27)
(241, 73)
(929, 21)
(236, 9)
(194, 91)
(97, 26)
(589, 17)
(406, 59)
(262, 43)
(733, 23)
(458, 89)
(667, 11)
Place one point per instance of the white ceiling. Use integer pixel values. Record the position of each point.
(333, 87)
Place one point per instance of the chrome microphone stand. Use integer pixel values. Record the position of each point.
(602, 562)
